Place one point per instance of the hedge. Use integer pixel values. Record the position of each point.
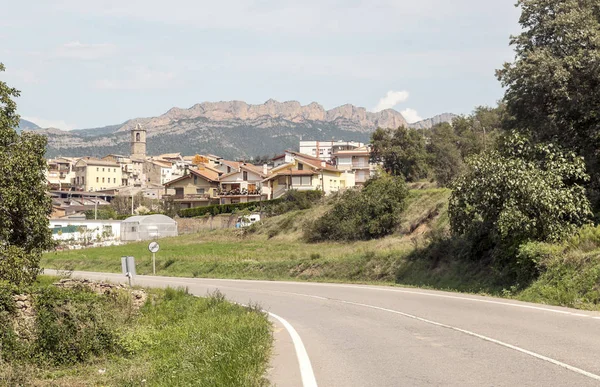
(217, 209)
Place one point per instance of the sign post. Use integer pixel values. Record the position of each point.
(128, 267)
(154, 247)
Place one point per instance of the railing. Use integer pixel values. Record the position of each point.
(360, 165)
(279, 192)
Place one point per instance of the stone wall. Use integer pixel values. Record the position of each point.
(194, 225)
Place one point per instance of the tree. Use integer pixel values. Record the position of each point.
(443, 152)
(520, 192)
(24, 205)
(402, 152)
(373, 212)
(553, 86)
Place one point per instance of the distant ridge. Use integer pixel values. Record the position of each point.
(431, 122)
(232, 129)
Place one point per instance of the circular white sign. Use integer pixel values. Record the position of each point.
(153, 247)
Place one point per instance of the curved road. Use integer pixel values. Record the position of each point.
(358, 335)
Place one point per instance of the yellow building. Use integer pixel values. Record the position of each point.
(302, 172)
(94, 175)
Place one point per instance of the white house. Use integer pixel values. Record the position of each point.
(84, 230)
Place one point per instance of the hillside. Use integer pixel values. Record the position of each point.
(27, 125)
(229, 129)
(431, 122)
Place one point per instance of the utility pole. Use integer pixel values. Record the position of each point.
(96, 209)
(132, 203)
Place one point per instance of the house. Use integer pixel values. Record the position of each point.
(126, 164)
(61, 173)
(199, 188)
(227, 166)
(158, 172)
(85, 231)
(93, 174)
(324, 150)
(357, 160)
(243, 185)
(298, 171)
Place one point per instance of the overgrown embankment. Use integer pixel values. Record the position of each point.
(80, 333)
(419, 253)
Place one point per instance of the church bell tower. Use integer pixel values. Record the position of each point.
(138, 142)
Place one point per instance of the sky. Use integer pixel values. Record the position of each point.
(83, 64)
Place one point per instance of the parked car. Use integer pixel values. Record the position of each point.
(247, 220)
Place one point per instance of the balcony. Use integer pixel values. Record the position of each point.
(360, 165)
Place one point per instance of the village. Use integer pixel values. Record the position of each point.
(80, 185)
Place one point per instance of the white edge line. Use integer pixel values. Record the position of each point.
(482, 337)
(306, 370)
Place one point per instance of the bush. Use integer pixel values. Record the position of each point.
(372, 212)
(218, 209)
(517, 194)
(72, 325)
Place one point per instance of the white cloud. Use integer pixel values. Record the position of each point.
(85, 51)
(411, 115)
(391, 99)
(44, 123)
(140, 78)
(23, 75)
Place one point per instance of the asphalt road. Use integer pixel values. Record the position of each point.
(358, 335)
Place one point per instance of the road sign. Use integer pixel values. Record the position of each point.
(128, 267)
(154, 247)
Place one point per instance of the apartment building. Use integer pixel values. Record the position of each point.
(358, 161)
(324, 150)
(93, 174)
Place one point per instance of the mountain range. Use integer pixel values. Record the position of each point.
(232, 129)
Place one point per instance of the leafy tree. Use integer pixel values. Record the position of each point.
(479, 131)
(553, 86)
(372, 212)
(402, 152)
(520, 192)
(24, 205)
(444, 155)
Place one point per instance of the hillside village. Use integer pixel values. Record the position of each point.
(87, 183)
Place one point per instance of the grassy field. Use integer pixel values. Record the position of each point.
(175, 339)
(274, 250)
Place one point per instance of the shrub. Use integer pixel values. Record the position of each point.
(72, 326)
(516, 194)
(372, 212)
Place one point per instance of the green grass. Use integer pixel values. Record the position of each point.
(570, 276)
(175, 339)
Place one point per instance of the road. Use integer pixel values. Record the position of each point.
(359, 335)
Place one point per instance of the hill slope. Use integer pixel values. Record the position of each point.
(230, 129)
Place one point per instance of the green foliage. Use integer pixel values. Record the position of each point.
(72, 326)
(445, 158)
(402, 152)
(552, 88)
(24, 205)
(521, 192)
(218, 209)
(294, 200)
(372, 212)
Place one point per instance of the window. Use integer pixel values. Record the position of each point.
(77, 179)
(300, 166)
(302, 180)
(102, 169)
(195, 179)
(314, 151)
(97, 169)
(137, 137)
(103, 180)
(200, 191)
(245, 175)
(320, 151)
(114, 179)
(97, 180)
(228, 169)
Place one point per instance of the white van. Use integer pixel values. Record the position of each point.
(245, 221)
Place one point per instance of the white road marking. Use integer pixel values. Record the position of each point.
(306, 370)
(482, 337)
(405, 291)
